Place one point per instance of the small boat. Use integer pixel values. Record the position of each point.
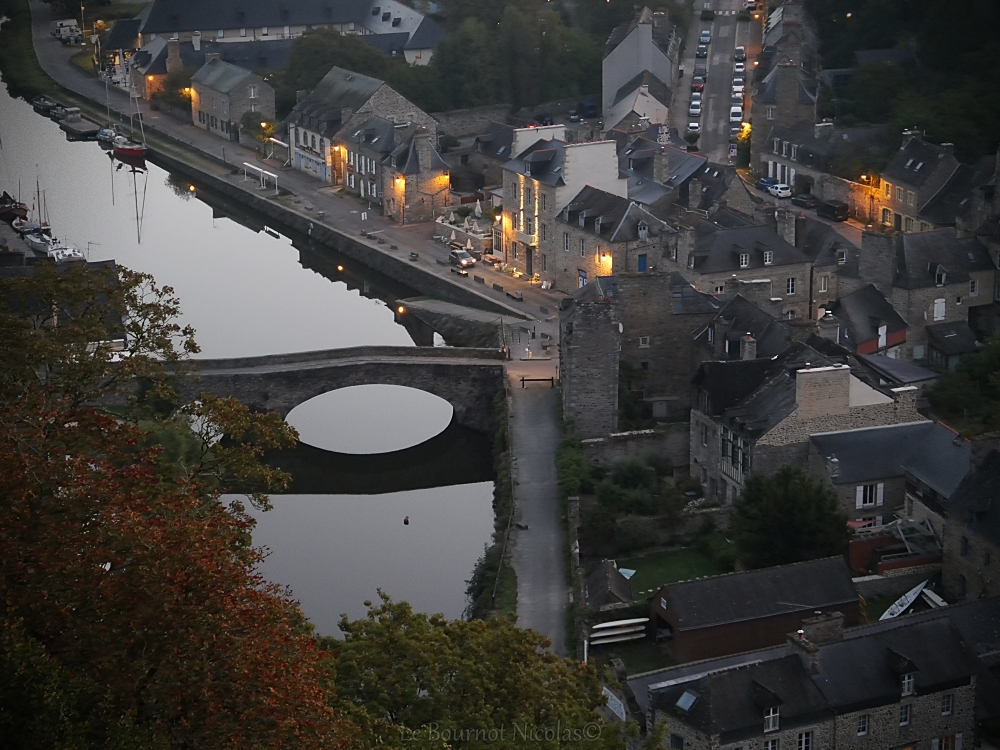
(42, 104)
(38, 241)
(128, 150)
(621, 623)
(24, 226)
(61, 253)
(106, 135)
(903, 603)
(617, 639)
(58, 112)
(11, 209)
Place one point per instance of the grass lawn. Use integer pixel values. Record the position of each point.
(654, 570)
(638, 657)
(875, 607)
(84, 59)
(21, 71)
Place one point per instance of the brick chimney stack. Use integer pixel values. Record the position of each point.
(748, 347)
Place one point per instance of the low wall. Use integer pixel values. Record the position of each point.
(359, 249)
(855, 194)
(472, 121)
(670, 440)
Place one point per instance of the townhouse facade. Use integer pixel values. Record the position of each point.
(640, 52)
(222, 94)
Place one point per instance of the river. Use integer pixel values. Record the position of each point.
(248, 292)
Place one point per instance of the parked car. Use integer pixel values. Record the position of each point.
(740, 55)
(833, 210)
(734, 132)
(587, 109)
(805, 200)
(695, 96)
(739, 80)
(697, 83)
(702, 51)
(573, 116)
(736, 114)
(544, 119)
(738, 87)
(740, 68)
(706, 37)
(702, 72)
(750, 5)
(737, 99)
(694, 127)
(461, 258)
(695, 109)
(780, 190)
(765, 182)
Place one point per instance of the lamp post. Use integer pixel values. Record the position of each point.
(83, 24)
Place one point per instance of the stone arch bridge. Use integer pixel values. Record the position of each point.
(469, 379)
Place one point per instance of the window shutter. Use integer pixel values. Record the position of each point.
(958, 741)
(859, 497)
(935, 744)
(879, 495)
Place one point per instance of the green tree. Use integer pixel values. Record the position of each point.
(787, 517)
(416, 681)
(972, 391)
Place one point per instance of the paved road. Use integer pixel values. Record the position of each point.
(313, 196)
(539, 560)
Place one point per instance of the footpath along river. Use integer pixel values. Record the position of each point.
(248, 292)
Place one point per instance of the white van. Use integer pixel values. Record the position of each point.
(55, 28)
(736, 114)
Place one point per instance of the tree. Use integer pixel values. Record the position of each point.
(787, 517)
(417, 681)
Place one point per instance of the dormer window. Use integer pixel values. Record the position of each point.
(643, 231)
(583, 218)
(940, 277)
(744, 260)
(841, 257)
(771, 719)
(768, 257)
(527, 168)
(907, 683)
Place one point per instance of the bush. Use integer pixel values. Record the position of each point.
(634, 534)
(633, 473)
(448, 142)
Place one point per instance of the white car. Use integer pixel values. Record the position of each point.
(739, 67)
(695, 109)
(737, 99)
(780, 191)
(695, 96)
(738, 88)
(736, 114)
(694, 127)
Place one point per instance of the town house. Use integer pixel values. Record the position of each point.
(972, 534)
(639, 67)
(415, 179)
(496, 147)
(359, 149)
(867, 323)
(538, 183)
(222, 94)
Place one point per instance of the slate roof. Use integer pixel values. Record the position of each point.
(405, 153)
(124, 34)
(620, 217)
(496, 141)
(220, 76)
(823, 244)
(914, 163)
(952, 338)
(152, 58)
(717, 249)
(739, 597)
(897, 371)
(740, 317)
(977, 502)
(338, 90)
(606, 585)
(635, 162)
(919, 255)
(252, 55)
(657, 88)
(926, 450)
(686, 300)
(954, 199)
(767, 91)
(618, 35)
(862, 312)
(166, 16)
(388, 44)
(375, 134)
(542, 161)
(427, 36)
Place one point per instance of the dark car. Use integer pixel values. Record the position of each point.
(587, 109)
(833, 210)
(765, 182)
(544, 119)
(740, 55)
(701, 72)
(573, 116)
(702, 51)
(805, 200)
(461, 258)
(697, 83)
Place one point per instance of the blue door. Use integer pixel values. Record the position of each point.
(298, 160)
(583, 277)
(322, 172)
(642, 264)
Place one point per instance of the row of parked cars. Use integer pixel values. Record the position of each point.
(737, 93)
(833, 210)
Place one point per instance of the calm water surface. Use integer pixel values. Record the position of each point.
(248, 293)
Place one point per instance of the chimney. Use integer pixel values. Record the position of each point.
(661, 169)
(345, 115)
(300, 95)
(694, 192)
(824, 628)
(833, 466)
(822, 391)
(786, 225)
(422, 143)
(822, 129)
(720, 327)
(828, 327)
(173, 56)
(949, 148)
(685, 244)
(748, 347)
(196, 41)
(905, 403)
(877, 260)
(762, 215)
(209, 56)
(807, 651)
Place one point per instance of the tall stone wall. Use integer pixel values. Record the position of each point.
(589, 342)
(669, 440)
(471, 121)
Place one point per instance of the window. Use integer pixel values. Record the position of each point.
(566, 241)
(887, 216)
(772, 744)
(744, 260)
(253, 107)
(805, 741)
(777, 145)
(253, 92)
(795, 152)
(704, 475)
(350, 179)
(770, 115)
(974, 288)
(514, 192)
(882, 336)
(529, 196)
(545, 231)
(904, 715)
(263, 30)
(899, 194)
(704, 434)
(924, 226)
(719, 289)
(583, 248)
(958, 300)
(529, 225)
(243, 32)
(201, 116)
(644, 366)
(964, 547)
(768, 257)
(644, 342)
(862, 725)
(824, 283)
(771, 717)
(939, 309)
(908, 224)
(910, 198)
(790, 286)
(312, 142)
(676, 741)
(947, 704)
(869, 495)
(888, 190)
(907, 683)
(784, 148)
(940, 277)
(543, 202)
(841, 257)
(711, 333)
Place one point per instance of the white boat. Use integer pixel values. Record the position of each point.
(903, 603)
(38, 241)
(61, 252)
(617, 639)
(621, 623)
(618, 631)
(106, 135)
(23, 226)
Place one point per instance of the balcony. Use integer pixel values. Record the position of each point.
(733, 472)
(526, 239)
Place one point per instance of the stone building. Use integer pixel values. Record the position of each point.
(158, 58)
(640, 52)
(263, 21)
(500, 143)
(758, 414)
(415, 179)
(904, 684)
(972, 534)
(538, 184)
(741, 330)
(322, 113)
(868, 323)
(221, 94)
(869, 467)
(925, 187)
(599, 234)
(359, 150)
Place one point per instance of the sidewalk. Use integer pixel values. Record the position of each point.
(317, 198)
